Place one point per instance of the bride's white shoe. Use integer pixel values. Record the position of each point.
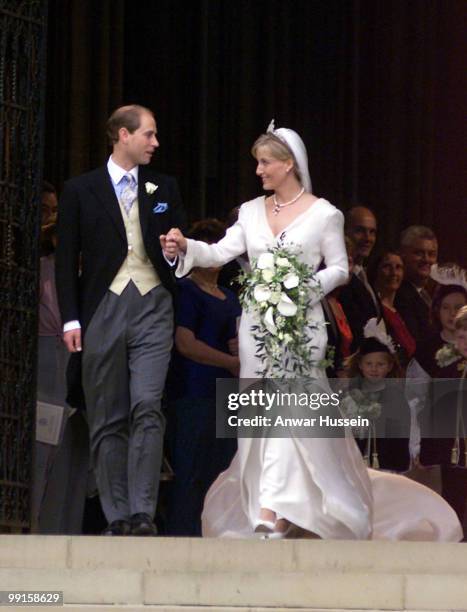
(280, 535)
(263, 527)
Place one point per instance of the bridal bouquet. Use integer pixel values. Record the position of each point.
(279, 290)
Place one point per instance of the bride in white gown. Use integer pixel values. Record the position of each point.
(320, 485)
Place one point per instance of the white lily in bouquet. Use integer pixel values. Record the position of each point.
(279, 289)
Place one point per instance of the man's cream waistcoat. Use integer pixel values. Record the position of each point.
(137, 266)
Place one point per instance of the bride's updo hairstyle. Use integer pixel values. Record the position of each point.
(278, 149)
(285, 144)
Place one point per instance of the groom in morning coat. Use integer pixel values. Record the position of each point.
(114, 289)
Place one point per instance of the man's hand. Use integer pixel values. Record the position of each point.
(72, 340)
(173, 243)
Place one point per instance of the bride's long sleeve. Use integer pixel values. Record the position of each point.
(334, 254)
(213, 255)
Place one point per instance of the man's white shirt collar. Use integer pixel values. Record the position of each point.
(116, 172)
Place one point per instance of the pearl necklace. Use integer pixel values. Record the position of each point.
(277, 207)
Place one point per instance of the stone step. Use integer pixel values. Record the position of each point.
(148, 608)
(117, 574)
(281, 590)
(207, 555)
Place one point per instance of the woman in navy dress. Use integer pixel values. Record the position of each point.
(205, 349)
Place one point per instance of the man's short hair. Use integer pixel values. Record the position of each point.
(350, 213)
(128, 117)
(416, 232)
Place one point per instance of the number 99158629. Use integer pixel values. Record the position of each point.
(31, 598)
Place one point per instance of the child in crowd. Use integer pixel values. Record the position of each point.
(370, 367)
(439, 359)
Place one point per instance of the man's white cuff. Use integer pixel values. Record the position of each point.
(71, 325)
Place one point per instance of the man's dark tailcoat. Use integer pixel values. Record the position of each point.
(92, 245)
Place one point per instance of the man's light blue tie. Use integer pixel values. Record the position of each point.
(129, 192)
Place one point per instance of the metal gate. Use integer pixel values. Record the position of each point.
(22, 86)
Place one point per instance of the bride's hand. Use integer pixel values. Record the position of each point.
(173, 243)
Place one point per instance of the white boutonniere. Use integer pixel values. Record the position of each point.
(150, 187)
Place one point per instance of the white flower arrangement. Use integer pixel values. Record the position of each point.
(279, 289)
(150, 187)
(447, 355)
(356, 403)
(449, 274)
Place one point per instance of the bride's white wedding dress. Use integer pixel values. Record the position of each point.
(320, 484)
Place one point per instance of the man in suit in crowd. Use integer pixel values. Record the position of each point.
(358, 299)
(114, 288)
(419, 251)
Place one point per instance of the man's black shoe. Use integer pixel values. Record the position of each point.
(117, 528)
(142, 525)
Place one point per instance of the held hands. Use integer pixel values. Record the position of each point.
(173, 243)
(72, 340)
